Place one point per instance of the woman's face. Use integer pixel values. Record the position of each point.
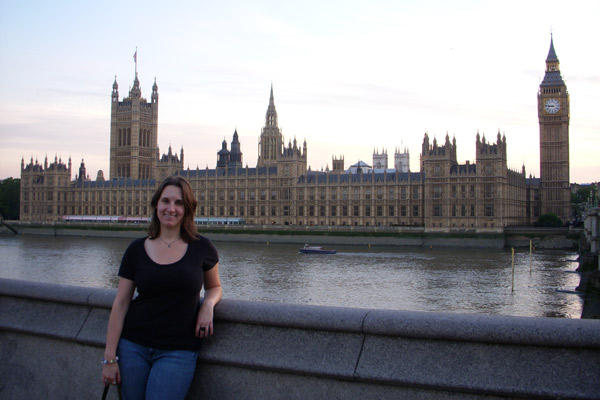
(170, 208)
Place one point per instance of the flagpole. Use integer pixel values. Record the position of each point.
(135, 59)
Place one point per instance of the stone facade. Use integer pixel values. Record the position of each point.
(483, 196)
(553, 115)
(402, 160)
(134, 150)
(282, 190)
(45, 188)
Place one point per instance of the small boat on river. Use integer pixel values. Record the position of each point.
(315, 250)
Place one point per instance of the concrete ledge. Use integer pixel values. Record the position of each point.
(467, 367)
(485, 328)
(293, 315)
(266, 350)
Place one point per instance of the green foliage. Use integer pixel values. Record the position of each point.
(549, 220)
(9, 198)
(582, 195)
(585, 197)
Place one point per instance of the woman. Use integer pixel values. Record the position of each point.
(152, 340)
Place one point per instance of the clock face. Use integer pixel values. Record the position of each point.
(552, 106)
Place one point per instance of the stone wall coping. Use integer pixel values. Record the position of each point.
(95, 297)
(410, 324)
(538, 331)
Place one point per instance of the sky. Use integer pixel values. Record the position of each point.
(348, 76)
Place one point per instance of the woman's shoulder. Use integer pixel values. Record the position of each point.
(205, 251)
(203, 244)
(133, 252)
(137, 243)
(201, 241)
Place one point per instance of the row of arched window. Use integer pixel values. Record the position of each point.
(125, 137)
(123, 171)
(144, 138)
(552, 90)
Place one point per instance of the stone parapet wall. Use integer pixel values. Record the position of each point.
(52, 338)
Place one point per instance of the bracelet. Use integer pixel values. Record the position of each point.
(113, 361)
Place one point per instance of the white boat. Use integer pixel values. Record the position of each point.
(315, 250)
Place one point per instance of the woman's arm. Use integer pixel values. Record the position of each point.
(110, 372)
(212, 295)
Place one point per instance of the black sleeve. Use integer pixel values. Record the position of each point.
(211, 256)
(127, 268)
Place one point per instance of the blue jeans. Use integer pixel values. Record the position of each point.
(148, 373)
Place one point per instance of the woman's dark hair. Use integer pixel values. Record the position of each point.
(188, 230)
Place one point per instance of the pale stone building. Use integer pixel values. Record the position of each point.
(402, 160)
(484, 195)
(380, 160)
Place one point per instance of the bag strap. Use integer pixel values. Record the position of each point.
(105, 392)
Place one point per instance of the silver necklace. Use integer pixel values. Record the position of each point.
(167, 243)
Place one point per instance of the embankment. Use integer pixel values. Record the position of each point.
(542, 238)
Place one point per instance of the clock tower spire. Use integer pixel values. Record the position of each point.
(553, 116)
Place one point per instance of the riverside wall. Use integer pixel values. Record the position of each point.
(52, 337)
(520, 237)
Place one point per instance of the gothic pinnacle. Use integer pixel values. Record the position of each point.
(551, 53)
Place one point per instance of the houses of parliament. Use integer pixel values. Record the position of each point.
(484, 195)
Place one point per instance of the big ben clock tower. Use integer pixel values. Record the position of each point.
(553, 115)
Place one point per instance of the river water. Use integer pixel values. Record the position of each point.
(399, 278)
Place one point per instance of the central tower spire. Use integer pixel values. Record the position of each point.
(271, 117)
(271, 141)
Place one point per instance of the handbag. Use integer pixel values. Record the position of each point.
(105, 392)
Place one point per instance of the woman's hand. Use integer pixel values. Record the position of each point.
(111, 374)
(204, 322)
(212, 295)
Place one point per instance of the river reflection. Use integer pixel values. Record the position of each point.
(407, 278)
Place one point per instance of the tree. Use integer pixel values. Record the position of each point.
(9, 198)
(549, 220)
(583, 198)
(582, 195)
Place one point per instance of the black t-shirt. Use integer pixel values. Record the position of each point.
(163, 315)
